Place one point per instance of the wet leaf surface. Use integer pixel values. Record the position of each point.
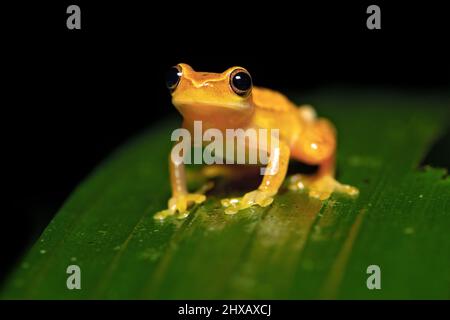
(296, 248)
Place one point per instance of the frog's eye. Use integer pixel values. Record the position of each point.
(173, 77)
(241, 82)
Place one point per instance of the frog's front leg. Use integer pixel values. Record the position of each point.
(181, 199)
(272, 180)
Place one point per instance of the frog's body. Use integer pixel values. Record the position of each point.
(228, 101)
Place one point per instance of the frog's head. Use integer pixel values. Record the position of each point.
(224, 97)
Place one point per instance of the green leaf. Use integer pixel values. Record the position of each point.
(296, 248)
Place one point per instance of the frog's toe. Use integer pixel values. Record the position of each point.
(261, 198)
(326, 185)
(297, 182)
(195, 197)
(320, 194)
(163, 214)
(256, 197)
(320, 187)
(347, 189)
(180, 204)
(231, 205)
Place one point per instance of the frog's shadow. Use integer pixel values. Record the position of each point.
(227, 187)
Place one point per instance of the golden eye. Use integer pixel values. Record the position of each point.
(241, 82)
(173, 77)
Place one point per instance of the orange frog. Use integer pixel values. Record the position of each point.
(229, 100)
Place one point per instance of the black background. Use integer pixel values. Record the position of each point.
(72, 96)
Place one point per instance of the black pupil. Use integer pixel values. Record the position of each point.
(242, 81)
(172, 77)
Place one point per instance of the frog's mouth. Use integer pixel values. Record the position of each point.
(206, 105)
(209, 107)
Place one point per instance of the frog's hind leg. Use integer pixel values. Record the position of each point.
(317, 146)
(322, 184)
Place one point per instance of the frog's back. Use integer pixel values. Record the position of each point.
(271, 100)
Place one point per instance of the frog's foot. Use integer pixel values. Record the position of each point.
(256, 197)
(180, 204)
(320, 187)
